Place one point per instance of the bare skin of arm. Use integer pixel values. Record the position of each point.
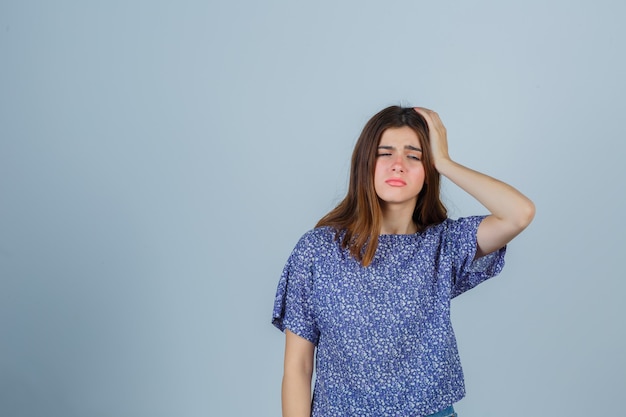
(511, 211)
(298, 371)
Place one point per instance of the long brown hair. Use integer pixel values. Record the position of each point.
(359, 214)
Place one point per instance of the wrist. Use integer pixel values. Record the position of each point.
(443, 164)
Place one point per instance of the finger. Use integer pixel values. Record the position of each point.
(426, 112)
(428, 115)
(422, 110)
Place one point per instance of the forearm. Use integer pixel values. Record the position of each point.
(503, 201)
(296, 393)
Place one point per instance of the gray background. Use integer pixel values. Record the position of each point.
(159, 160)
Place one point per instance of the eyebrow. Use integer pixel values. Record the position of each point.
(409, 147)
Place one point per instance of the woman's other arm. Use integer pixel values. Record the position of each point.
(296, 389)
(510, 210)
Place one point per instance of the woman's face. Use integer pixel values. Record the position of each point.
(399, 173)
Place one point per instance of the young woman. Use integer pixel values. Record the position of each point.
(367, 292)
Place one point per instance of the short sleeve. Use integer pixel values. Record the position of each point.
(467, 271)
(293, 305)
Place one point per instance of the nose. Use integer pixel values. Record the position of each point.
(398, 165)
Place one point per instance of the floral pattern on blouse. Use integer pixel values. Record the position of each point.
(384, 341)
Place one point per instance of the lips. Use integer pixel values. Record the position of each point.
(395, 182)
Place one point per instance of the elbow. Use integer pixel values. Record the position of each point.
(299, 370)
(525, 215)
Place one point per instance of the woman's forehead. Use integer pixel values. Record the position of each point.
(400, 136)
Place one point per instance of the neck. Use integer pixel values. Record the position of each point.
(397, 220)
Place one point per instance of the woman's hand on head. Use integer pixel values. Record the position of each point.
(511, 211)
(438, 136)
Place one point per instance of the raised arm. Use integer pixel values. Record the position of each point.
(296, 391)
(510, 210)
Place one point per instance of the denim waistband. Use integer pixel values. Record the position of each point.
(448, 412)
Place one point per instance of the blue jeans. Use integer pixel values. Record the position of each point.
(448, 412)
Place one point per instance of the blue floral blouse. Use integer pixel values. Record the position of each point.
(384, 340)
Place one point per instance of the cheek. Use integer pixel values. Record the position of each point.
(420, 172)
(379, 176)
(420, 176)
(379, 169)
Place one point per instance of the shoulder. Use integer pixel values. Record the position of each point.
(462, 224)
(317, 239)
(313, 248)
(452, 234)
(318, 235)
